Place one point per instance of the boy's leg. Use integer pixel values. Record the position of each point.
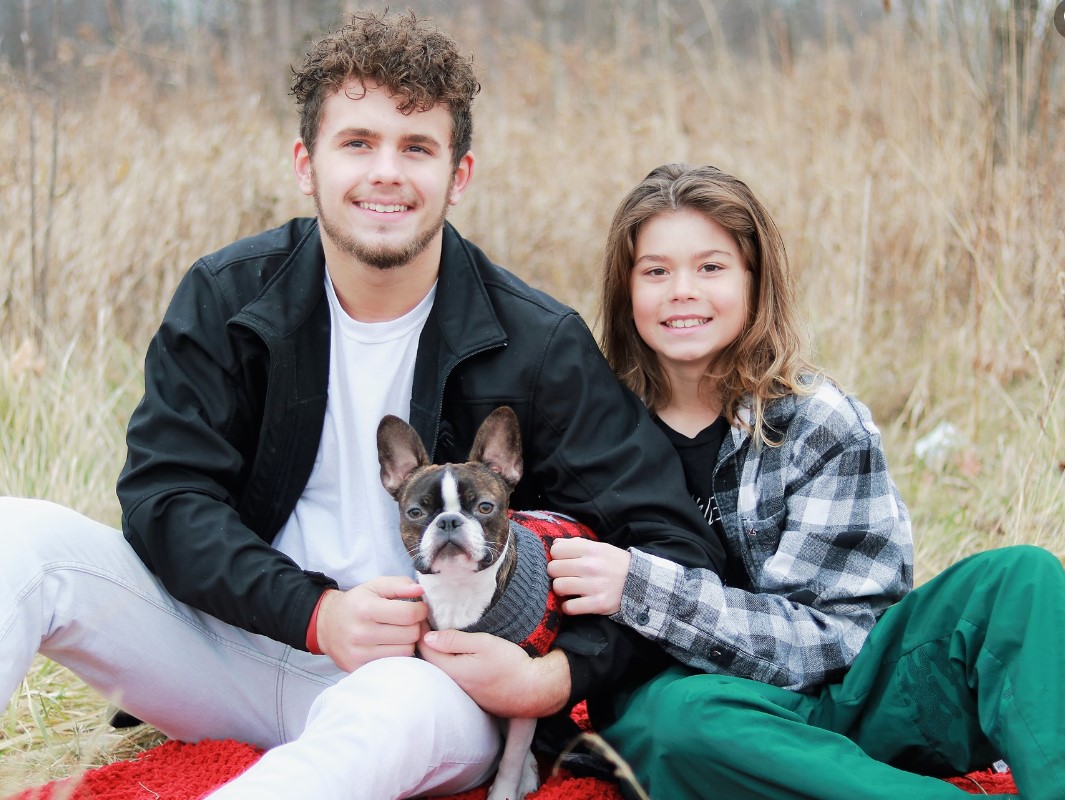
(964, 670)
(689, 735)
(74, 590)
(397, 727)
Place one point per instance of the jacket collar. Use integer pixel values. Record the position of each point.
(777, 415)
(465, 315)
(296, 291)
(468, 325)
(462, 323)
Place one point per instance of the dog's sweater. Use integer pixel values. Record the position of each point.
(528, 612)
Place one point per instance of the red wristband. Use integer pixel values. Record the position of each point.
(312, 629)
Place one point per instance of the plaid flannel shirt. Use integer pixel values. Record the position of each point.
(822, 534)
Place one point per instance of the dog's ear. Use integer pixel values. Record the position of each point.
(400, 451)
(498, 444)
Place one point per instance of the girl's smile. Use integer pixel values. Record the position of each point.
(687, 322)
(689, 288)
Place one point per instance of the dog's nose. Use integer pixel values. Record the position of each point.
(449, 523)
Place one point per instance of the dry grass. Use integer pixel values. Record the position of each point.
(922, 220)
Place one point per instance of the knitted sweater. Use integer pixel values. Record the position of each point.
(528, 612)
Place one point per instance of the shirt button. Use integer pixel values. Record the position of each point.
(752, 533)
(715, 654)
(643, 617)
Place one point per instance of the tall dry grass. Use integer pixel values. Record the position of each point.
(923, 220)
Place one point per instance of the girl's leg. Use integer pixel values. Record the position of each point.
(964, 670)
(397, 727)
(691, 735)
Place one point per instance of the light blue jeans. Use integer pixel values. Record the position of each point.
(73, 590)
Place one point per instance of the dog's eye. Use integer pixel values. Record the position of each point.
(415, 513)
(485, 507)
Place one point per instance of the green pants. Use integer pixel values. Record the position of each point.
(966, 669)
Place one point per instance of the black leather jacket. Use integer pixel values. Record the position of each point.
(223, 441)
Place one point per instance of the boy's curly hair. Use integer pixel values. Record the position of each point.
(416, 61)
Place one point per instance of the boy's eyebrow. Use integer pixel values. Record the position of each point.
(421, 138)
(357, 133)
(366, 133)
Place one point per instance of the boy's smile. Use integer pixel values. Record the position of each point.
(382, 180)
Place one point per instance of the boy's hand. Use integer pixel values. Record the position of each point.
(373, 620)
(500, 677)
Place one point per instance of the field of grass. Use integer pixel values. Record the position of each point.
(922, 211)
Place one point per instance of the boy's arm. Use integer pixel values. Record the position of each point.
(187, 460)
(597, 456)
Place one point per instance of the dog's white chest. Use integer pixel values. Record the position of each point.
(457, 600)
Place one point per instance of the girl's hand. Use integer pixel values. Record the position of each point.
(592, 574)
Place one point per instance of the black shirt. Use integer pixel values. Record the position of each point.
(698, 456)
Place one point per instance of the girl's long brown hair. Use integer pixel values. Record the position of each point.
(767, 360)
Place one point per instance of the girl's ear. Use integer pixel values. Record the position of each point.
(751, 296)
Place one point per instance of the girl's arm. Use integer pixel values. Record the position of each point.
(834, 557)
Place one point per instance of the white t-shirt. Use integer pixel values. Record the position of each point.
(345, 524)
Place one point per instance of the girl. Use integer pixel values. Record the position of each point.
(808, 669)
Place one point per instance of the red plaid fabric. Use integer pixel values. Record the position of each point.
(548, 527)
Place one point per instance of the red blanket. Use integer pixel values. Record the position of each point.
(179, 771)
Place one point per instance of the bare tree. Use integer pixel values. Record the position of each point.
(31, 102)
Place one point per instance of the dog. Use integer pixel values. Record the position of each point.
(483, 567)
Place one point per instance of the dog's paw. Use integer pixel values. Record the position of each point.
(500, 792)
(528, 782)
(530, 777)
